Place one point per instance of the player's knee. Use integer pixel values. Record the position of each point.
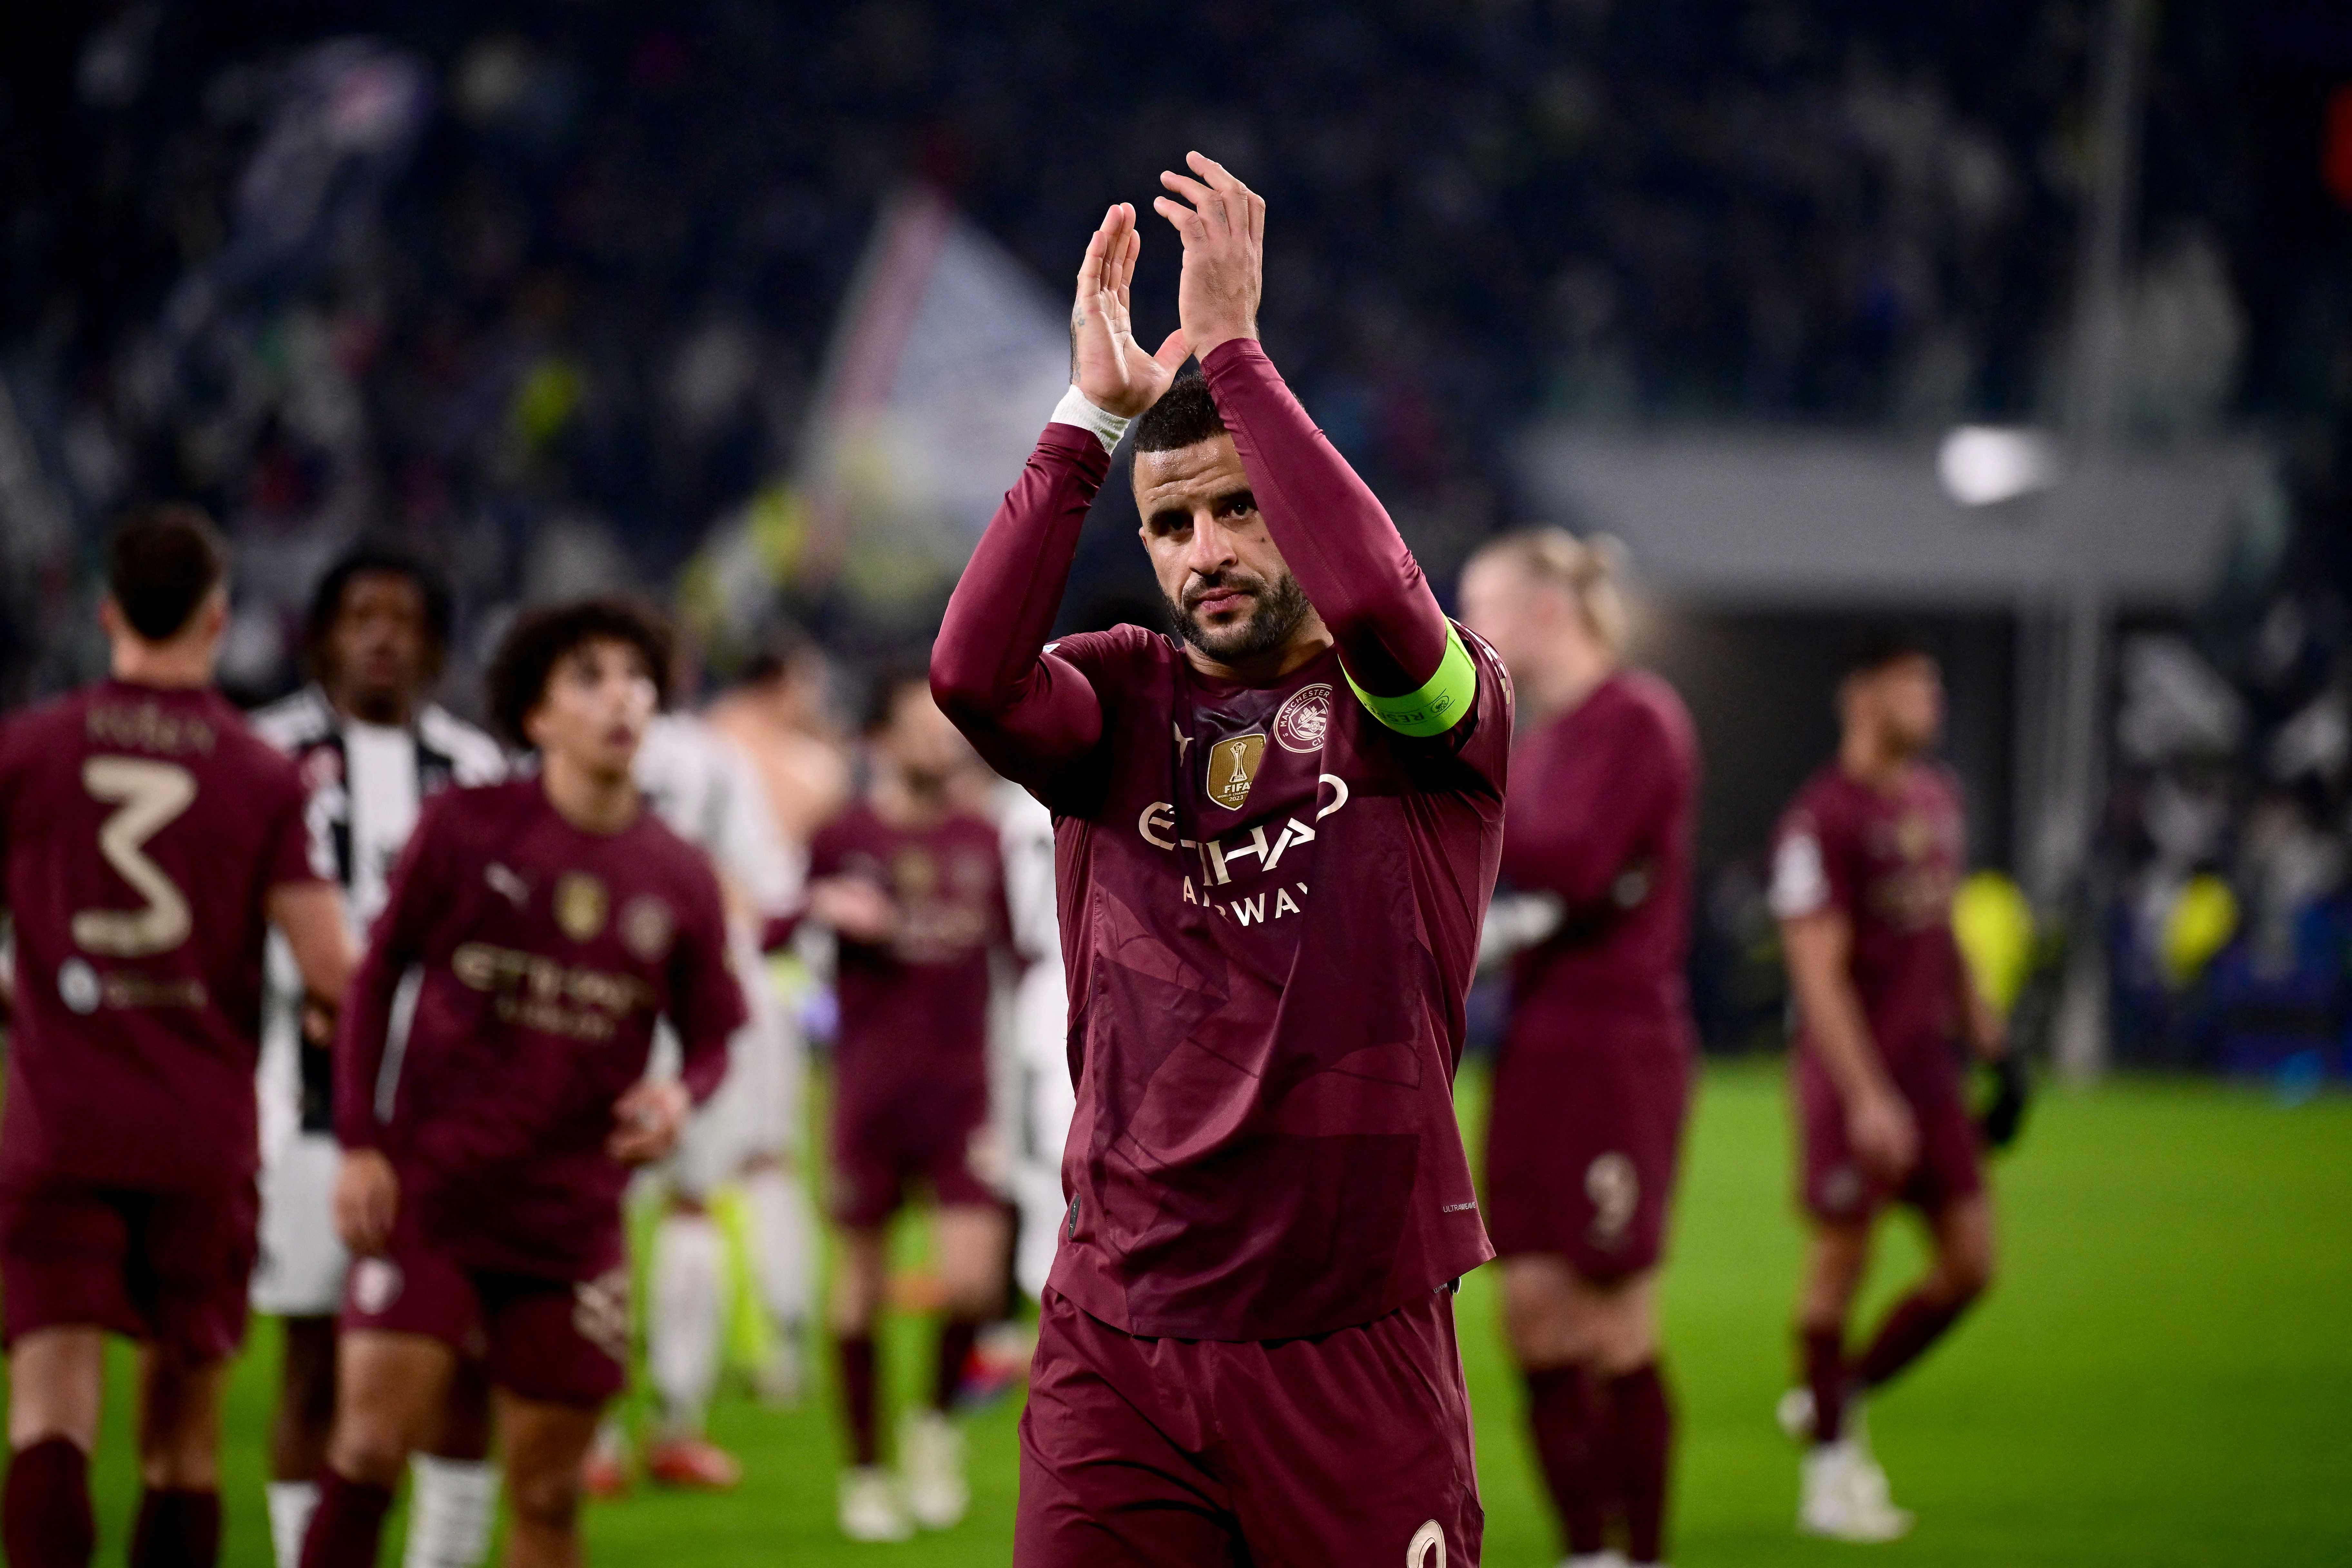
(1628, 1339)
(369, 1452)
(546, 1498)
(369, 1445)
(980, 1295)
(852, 1311)
(1545, 1333)
(1966, 1274)
(180, 1463)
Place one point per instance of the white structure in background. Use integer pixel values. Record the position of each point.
(1036, 1099)
(946, 358)
(1984, 465)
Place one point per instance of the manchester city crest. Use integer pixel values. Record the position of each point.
(1300, 721)
(1232, 768)
(646, 926)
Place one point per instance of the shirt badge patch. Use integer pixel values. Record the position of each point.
(375, 1284)
(1232, 768)
(1299, 723)
(646, 927)
(580, 905)
(913, 873)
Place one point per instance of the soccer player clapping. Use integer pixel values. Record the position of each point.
(1276, 832)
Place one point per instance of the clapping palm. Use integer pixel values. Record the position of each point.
(1106, 365)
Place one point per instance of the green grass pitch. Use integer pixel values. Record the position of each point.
(2162, 1376)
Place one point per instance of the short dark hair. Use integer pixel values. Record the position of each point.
(781, 646)
(882, 693)
(160, 564)
(541, 637)
(1185, 416)
(1871, 646)
(366, 558)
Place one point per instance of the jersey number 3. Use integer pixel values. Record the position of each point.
(146, 795)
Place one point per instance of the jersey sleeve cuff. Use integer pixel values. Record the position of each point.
(1101, 423)
(1441, 703)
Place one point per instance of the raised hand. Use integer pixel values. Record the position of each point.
(1224, 230)
(1106, 365)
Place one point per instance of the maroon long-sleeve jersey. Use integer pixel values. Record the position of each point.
(1269, 904)
(1603, 806)
(141, 832)
(1890, 862)
(546, 954)
(914, 1010)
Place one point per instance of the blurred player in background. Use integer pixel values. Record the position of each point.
(781, 716)
(149, 842)
(554, 919)
(1277, 838)
(371, 747)
(704, 786)
(1595, 1080)
(1864, 870)
(913, 889)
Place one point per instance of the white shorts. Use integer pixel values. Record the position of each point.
(757, 1110)
(1047, 1104)
(300, 1270)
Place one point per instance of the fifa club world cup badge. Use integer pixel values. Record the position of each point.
(1232, 768)
(1299, 723)
(580, 905)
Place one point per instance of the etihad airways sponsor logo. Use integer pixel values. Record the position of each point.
(1221, 858)
(538, 993)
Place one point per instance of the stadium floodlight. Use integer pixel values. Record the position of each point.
(1982, 465)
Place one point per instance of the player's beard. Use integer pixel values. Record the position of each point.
(1281, 609)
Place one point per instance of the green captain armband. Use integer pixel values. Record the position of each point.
(1441, 702)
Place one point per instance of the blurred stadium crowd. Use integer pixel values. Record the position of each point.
(549, 290)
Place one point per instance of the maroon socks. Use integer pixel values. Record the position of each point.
(1563, 1418)
(46, 1519)
(1825, 1373)
(44, 1515)
(1915, 1322)
(348, 1525)
(1604, 1448)
(956, 1337)
(1641, 1440)
(176, 1530)
(855, 1355)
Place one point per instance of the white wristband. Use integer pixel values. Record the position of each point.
(1074, 409)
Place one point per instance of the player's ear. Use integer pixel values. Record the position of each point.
(212, 616)
(110, 619)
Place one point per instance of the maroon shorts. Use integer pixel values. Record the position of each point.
(1582, 1145)
(1349, 1448)
(172, 1269)
(878, 1159)
(1837, 1191)
(563, 1342)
